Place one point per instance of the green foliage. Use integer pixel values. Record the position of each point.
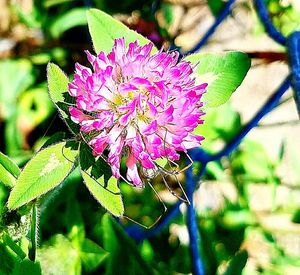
(9, 171)
(92, 255)
(73, 239)
(27, 267)
(285, 16)
(100, 182)
(73, 18)
(104, 29)
(215, 6)
(57, 83)
(34, 107)
(252, 163)
(8, 241)
(58, 87)
(223, 73)
(237, 264)
(122, 251)
(44, 171)
(15, 77)
(13, 259)
(59, 256)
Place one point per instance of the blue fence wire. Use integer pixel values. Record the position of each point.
(220, 18)
(293, 45)
(199, 155)
(263, 14)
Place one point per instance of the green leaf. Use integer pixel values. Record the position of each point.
(92, 255)
(223, 73)
(9, 171)
(235, 219)
(13, 136)
(252, 162)
(44, 171)
(29, 116)
(7, 240)
(123, 251)
(58, 91)
(57, 82)
(104, 29)
(215, 6)
(70, 19)
(55, 138)
(8, 259)
(15, 77)
(220, 123)
(237, 264)
(27, 267)
(51, 3)
(97, 177)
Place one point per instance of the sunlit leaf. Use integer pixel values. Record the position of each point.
(100, 182)
(58, 91)
(44, 171)
(9, 171)
(51, 3)
(223, 73)
(104, 29)
(57, 82)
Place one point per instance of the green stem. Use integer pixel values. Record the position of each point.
(13, 246)
(33, 233)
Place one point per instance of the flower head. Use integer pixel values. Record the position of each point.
(134, 103)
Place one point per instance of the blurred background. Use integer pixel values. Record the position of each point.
(248, 204)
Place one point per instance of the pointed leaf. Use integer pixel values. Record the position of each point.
(104, 29)
(57, 82)
(9, 171)
(223, 73)
(122, 250)
(44, 171)
(92, 255)
(100, 182)
(58, 91)
(237, 264)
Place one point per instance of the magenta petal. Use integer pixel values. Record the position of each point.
(151, 128)
(131, 100)
(78, 116)
(132, 171)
